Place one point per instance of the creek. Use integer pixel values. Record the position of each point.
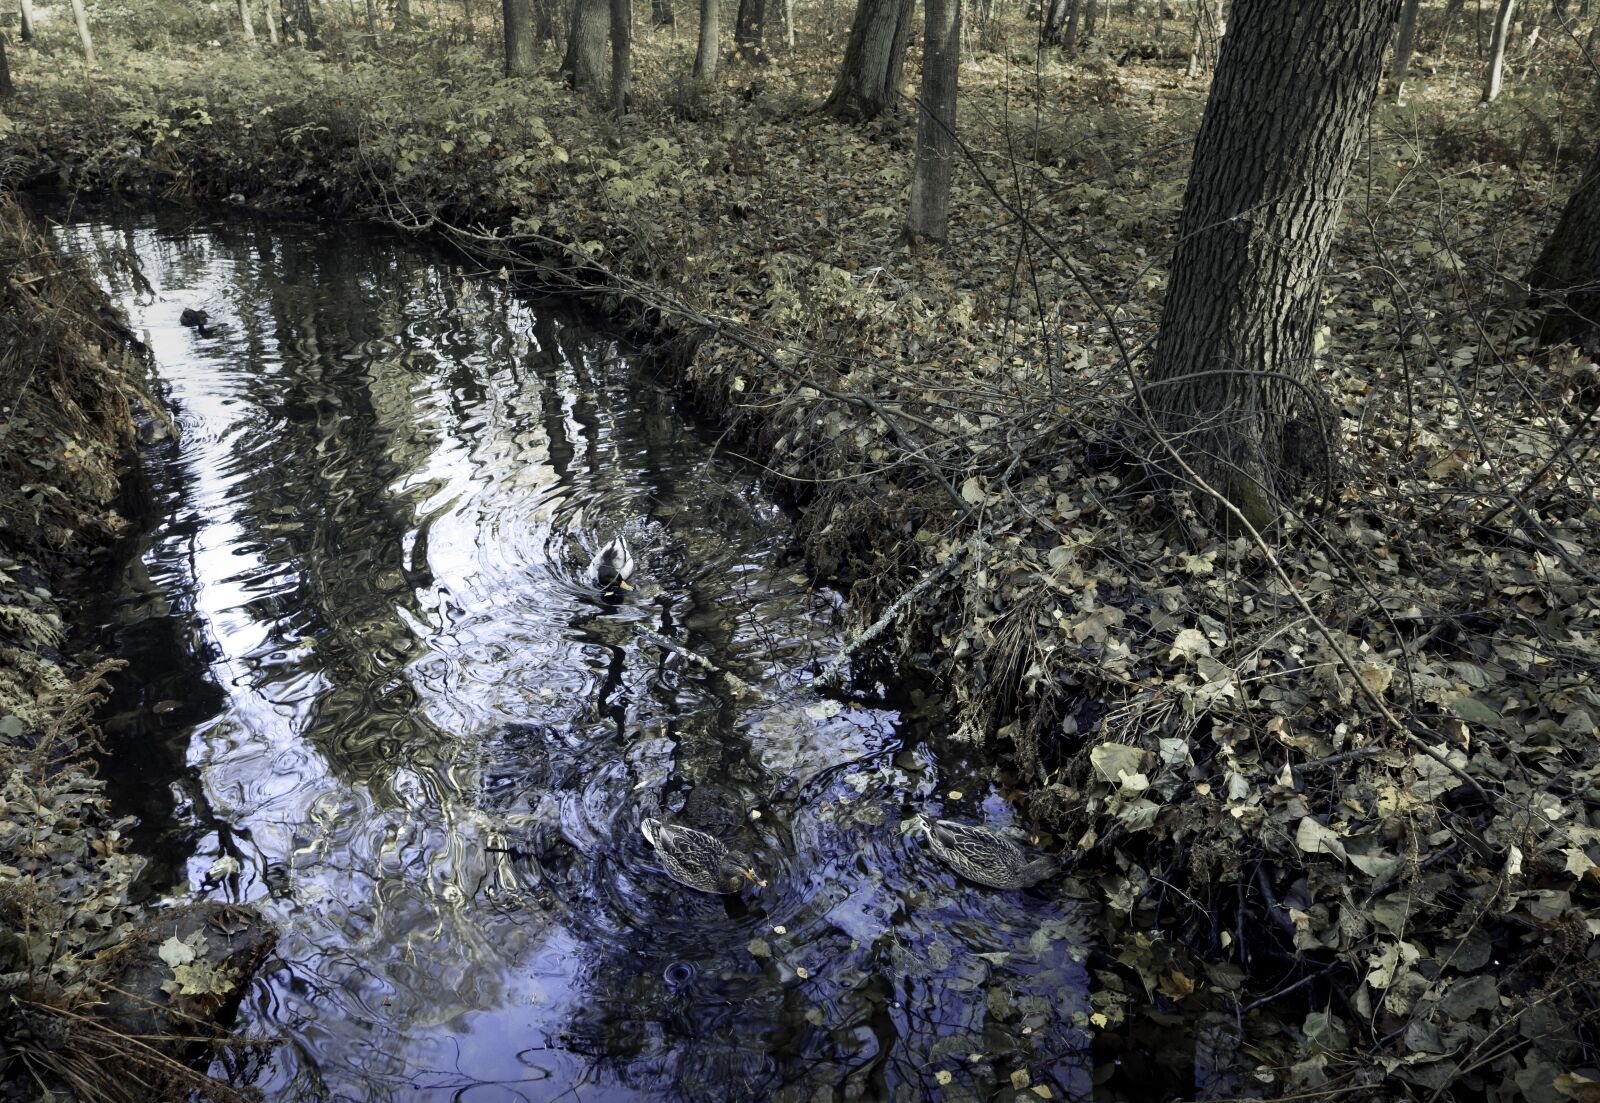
(371, 694)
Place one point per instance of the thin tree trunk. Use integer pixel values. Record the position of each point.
(788, 25)
(271, 20)
(869, 77)
(6, 87)
(929, 214)
(661, 14)
(372, 19)
(1232, 386)
(1566, 277)
(1091, 10)
(584, 64)
(84, 40)
(247, 22)
(27, 20)
(519, 60)
(1069, 38)
(544, 22)
(297, 15)
(1404, 43)
(1055, 20)
(402, 14)
(468, 29)
(1497, 50)
(705, 57)
(621, 54)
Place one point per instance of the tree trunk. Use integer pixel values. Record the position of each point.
(1069, 38)
(6, 87)
(929, 214)
(83, 32)
(621, 53)
(372, 18)
(788, 25)
(748, 27)
(402, 14)
(297, 18)
(1233, 386)
(1091, 9)
(705, 58)
(1497, 50)
(544, 22)
(519, 37)
(869, 78)
(1566, 277)
(271, 20)
(661, 14)
(584, 64)
(1055, 20)
(468, 26)
(247, 22)
(1404, 43)
(27, 21)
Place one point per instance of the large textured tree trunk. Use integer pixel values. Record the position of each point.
(1055, 20)
(705, 57)
(929, 213)
(84, 38)
(247, 22)
(297, 18)
(1566, 277)
(1232, 385)
(748, 27)
(1497, 50)
(1404, 43)
(519, 37)
(621, 53)
(27, 20)
(585, 62)
(869, 77)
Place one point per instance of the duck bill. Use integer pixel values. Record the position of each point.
(750, 875)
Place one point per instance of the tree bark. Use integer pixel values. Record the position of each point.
(1404, 43)
(584, 65)
(402, 14)
(27, 21)
(1232, 386)
(519, 61)
(705, 57)
(372, 19)
(297, 18)
(929, 214)
(271, 20)
(1497, 50)
(247, 22)
(788, 25)
(84, 38)
(621, 53)
(6, 87)
(661, 14)
(869, 77)
(1055, 20)
(1566, 277)
(748, 31)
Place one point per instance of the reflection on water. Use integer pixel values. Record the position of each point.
(374, 698)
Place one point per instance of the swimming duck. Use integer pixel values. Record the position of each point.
(612, 565)
(984, 855)
(698, 860)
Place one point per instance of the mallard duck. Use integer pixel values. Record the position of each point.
(612, 565)
(698, 860)
(984, 855)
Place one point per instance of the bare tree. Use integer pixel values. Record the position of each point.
(1497, 50)
(1404, 44)
(27, 20)
(705, 57)
(869, 77)
(1232, 384)
(1566, 277)
(929, 214)
(247, 22)
(584, 65)
(84, 40)
(519, 61)
(621, 53)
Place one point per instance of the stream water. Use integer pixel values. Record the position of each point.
(371, 694)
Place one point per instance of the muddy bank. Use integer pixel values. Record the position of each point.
(81, 969)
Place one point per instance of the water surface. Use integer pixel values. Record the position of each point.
(373, 696)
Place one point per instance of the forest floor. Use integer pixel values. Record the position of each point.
(1337, 789)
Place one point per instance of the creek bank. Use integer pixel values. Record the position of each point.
(86, 1004)
(1335, 908)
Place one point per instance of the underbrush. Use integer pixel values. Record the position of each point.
(1338, 786)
